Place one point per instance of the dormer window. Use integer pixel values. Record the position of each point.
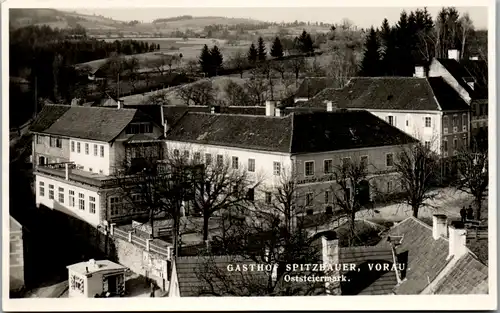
(139, 128)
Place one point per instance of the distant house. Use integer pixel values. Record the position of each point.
(470, 80)
(77, 151)
(436, 258)
(313, 144)
(94, 279)
(16, 263)
(311, 86)
(428, 109)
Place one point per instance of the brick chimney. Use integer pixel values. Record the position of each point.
(419, 72)
(270, 107)
(119, 104)
(330, 256)
(454, 54)
(439, 226)
(457, 240)
(329, 106)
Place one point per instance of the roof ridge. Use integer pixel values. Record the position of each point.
(292, 128)
(238, 115)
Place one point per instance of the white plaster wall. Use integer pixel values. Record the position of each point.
(72, 293)
(91, 161)
(416, 125)
(85, 215)
(94, 284)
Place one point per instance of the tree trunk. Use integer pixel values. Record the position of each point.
(206, 218)
(478, 209)
(151, 221)
(415, 211)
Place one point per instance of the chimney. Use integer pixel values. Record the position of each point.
(329, 106)
(214, 109)
(457, 240)
(330, 256)
(75, 102)
(119, 104)
(419, 72)
(165, 128)
(278, 112)
(454, 54)
(66, 167)
(439, 226)
(270, 105)
(474, 58)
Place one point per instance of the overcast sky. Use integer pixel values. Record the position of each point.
(361, 16)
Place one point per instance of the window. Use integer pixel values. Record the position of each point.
(364, 161)
(114, 206)
(42, 189)
(407, 122)
(92, 205)
(77, 147)
(58, 143)
(176, 153)
(328, 166)
(95, 150)
(185, 154)
(276, 168)
(51, 192)
(81, 201)
(61, 195)
(427, 145)
(309, 198)
(309, 168)
(208, 159)
(251, 194)
(390, 120)
(139, 128)
(197, 157)
(389, 186)
(445, 124)
(455, 121)
(346, 162)
(269, 198)
(464, 137)
(445, 145)
(235, 163)
(428, 122)
(220, 160)
(251, 165)
(87, 148)
(327, 197)
(71, 198)
(52, 141)
(72, 146)
(389, 159)
(455, 143)
(39, 139)
(102, 151)
(464, 122)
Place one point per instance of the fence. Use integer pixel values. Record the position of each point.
(146, 244)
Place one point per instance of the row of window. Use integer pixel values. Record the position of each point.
(139, 128)
(235, 162)
(455, 143)
(98, 149)
(392, 121)
(455, 122)
(55, 142)
(328, 165)
(116, 205)
(71, 197)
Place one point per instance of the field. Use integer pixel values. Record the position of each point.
(190, 49)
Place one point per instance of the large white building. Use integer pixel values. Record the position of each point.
(310, 145)
(77, 152)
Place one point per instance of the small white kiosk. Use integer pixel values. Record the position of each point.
(96, 279)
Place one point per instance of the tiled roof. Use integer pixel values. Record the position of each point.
(322, 131)
(477, 69)
(153, 111)
(295, 133)
(171, 113)
(49, 114)
(468, 276)
(94, 123)
(195, 272)
(391, 93)
(311, 86)
(426, 257)
(366, 281)
(244, 131)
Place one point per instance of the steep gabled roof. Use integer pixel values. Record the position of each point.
(475, 69)
(94, 123)
(171, 113)
(295, 133)
(391, 93)
(311, 86)
(426, 257)
(49, 114)
(468, 276)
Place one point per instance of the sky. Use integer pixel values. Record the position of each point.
(361, 16)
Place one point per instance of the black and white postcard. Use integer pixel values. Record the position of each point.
(273, 154)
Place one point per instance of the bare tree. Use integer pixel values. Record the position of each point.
(131, 68)
(473, 174)
(466, 26)
(160, 63)
(257, 88)
(342, 66)
(173, 61)
(417, 167)
(280, 67)
(296, 65)
(192, 67)
(199, 93)
(158, 98)
(239, 61)
(348, 191)
(236, 95)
